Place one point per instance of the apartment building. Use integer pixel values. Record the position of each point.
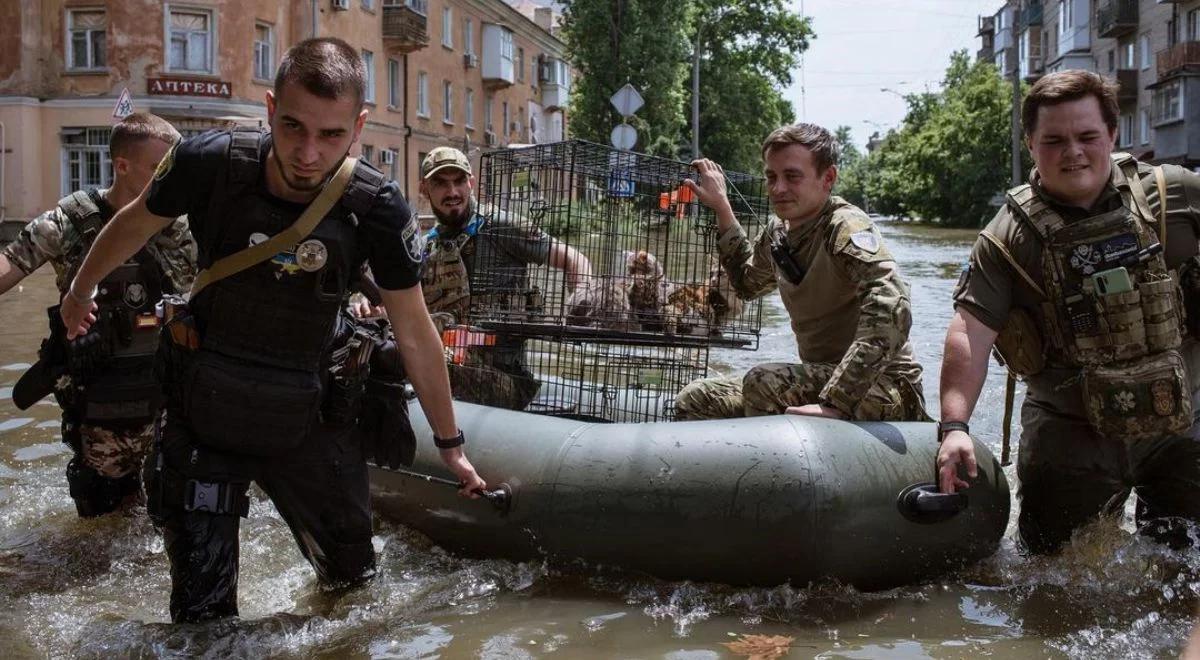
(473, 73)
(1150, 47)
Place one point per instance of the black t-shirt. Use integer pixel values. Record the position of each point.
(388, 234)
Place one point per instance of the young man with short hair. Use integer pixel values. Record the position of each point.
(848, 305)
(105, 384)
(250, 400)
(1076, 282)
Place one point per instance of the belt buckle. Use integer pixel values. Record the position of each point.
(202, 496)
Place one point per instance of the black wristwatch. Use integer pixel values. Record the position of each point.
(449, 443)
(945, 427)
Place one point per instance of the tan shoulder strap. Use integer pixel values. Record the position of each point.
(284, 240)
(1012, 261)
(1160, 180)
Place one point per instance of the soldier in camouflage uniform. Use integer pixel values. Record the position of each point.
(849, 308)
(109, 436)
(466, 237)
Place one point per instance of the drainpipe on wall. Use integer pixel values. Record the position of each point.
(407, 128)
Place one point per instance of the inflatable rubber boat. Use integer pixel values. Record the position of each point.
(757, 501)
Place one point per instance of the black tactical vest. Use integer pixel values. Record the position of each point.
(282, 312)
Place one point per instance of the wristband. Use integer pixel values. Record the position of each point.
(945, 427)
(449, 443)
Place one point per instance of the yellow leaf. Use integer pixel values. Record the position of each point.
(760, 647)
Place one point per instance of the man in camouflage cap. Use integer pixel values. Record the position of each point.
(849, 308)
(466, 239)
(104, 383)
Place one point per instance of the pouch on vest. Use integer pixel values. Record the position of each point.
(1146, 399)
(383, 426)
(1019, 344)
(259, 410)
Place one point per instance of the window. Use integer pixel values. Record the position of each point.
(1127, 54)
(506, 46)
(1112, 60)
(1166, 103)
(504, 127)
(368, 153)
(368, 5)
(264, 51)
(1066, 16)
(520, 65)
(85, 162)
(447, 21)
(391, 159)
(191, 40)
(422, 94)
(1193, 25)
(393, 83)
(1144, 47)
(419, 6)
(1172, 32)
(369, 83)
(1145, 116)
(487, 113)
(469, 108)
(468, 37)
(1125, 135)
(86, 38)
(447, 102)
(534, 78)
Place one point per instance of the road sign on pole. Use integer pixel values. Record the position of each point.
(623, 136)
(124, 106)
(627, 100)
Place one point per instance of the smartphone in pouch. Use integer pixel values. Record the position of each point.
(1113, 280)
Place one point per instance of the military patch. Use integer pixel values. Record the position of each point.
(135, 295)
(865, 240)
(964, 276)
(311, 255)
(1164, 397)
(287, 264)
(167, 162)
(414, 239)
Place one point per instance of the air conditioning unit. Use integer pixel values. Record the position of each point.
(489, 138)
(470, 60)
(341, 5)
(387, 156)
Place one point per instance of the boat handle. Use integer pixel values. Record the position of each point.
(500, 497)
(923, 503)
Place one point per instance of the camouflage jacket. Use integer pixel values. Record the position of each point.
(52, 237)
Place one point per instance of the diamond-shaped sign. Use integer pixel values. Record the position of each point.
(627, 100)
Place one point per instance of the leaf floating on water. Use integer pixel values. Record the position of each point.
(760, 647)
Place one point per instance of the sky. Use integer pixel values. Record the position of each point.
(865, 46)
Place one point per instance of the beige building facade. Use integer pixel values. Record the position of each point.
(478, 74)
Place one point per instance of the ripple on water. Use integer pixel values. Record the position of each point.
(34, 452)
(15, 366)
(14, 423)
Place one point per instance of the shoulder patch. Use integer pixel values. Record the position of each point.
(865, 240)
(414, 239)
(167, 162)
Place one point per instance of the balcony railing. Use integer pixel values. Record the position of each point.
(1116, 17)
(1031, 14)
(987, 25)
(1180, 58)
(1127, 82)
(405, 25)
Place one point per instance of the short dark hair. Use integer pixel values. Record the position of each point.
(136, 129)
(1067, 86)
(816, 139)
(326, 66)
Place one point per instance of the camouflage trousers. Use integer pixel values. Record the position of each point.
(491, 386)
(768, 389)
(112, 452)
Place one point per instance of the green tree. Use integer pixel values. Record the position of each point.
(851, 183)
(642, 42)
(950, 157)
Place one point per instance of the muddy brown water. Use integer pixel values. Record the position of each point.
(98, 588)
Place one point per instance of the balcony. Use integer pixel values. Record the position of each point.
(405, 25)
(1030, 15)
(987, 25)
(1127, 81)
(984, 54)
(497, 57)
(1116, 18)
(1180, 58)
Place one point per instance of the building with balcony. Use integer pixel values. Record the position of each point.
(1030, 40)
(1073, 35)
(210, 63)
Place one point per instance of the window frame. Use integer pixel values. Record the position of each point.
(368, 58)
(469, 108)
(395, 82)
(447, 102)
(99, 146)
(468, 36)
(170, 8)
(423, 94)
(270, 47)
(69, 41)
(1157, 116)
(448, 27)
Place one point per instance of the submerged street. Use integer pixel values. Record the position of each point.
(98, 588)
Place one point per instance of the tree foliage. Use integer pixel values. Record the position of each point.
(951, 154)
(749, 49)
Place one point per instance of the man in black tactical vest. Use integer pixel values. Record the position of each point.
(104, 382)
(248, 361)
(1077, 283)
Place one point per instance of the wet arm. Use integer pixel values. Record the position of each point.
(574, 265)
(424, 361)
(750, 268)
(9, 274)
(38, 242)
(964, 365)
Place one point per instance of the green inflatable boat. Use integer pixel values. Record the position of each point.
(758, 501)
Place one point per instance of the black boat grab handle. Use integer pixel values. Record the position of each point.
(923, 503)
(500, 497)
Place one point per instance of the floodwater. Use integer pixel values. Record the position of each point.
(98, 588)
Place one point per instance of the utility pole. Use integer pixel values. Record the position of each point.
(1017, 175)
